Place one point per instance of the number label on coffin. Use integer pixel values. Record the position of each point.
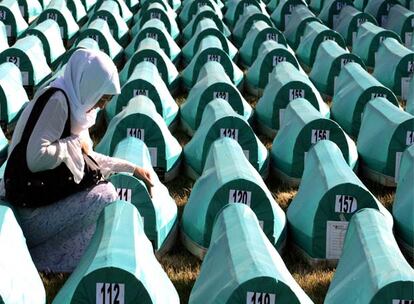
(222, 95)
(14, 59)
(318, 135)
(240, 196)
(94, 37)
(152, 35)
(124, 194)
(213, 57)
(153, 60)
(138, 92)
(138, 133)
(260, 298)
(345, 61)
(271, 36)
(345, 204)
(52, 16)
(154, 15)
(110, 293)
(232, 133)
(296, 93)
(278, 59)
(3, 15)
(394, 301)
(375, 95)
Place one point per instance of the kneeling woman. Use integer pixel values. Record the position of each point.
(53, 177)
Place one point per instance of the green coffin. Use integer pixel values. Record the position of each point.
(149, 50)
(236, 8)
(401, 21)
(123, 8)
(259, 33)
(394, 66)
(203, 13)
(13, 97)
(212, 83)
(380, 274)
(380, 9)
(59, 12)
(220, 120)
(270, 54)
(155, 29)
(403, 203)
(286, 84)
(99, 31)
(381, 158)
(145, 80)
(20, 282)
(331, 10)
(174, 4)
(4, 44)
(27, 54)
(303, 126)
(251, 15)
(78, 10)
(329, 61)
(85, 43)
(210, 49)
(355, 87)
(207, 27)
(140, 119)
(329, 195)
(30, 9)
(242, 266)
(12, 18)
(190, 8)
(227, 178)
(166, 6)
(110, 12)
(49, 33)
(295, 27)
(283, 12)
(367, 41)
(159, 212)
(349, 21)
(119, 264)
(410, 98)
(315, 33)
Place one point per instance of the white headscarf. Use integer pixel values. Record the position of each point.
(88, 75)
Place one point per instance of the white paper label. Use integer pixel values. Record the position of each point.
(138, 92)
(3, 15)
(240, 196)
(335, 235)
(61, 31)
(232, 133)
(52, 16)
(14, 59)
(375, 95)
(409, 140)
(278, 59)
(246, 153)
(110, 293)
(408, 39)
(296, 93)
(212, 57)
(287, 18)
(124, 194)
(318, 135)
(405, 84)
(155, 15)
(21, 8)
(384, 20)
(152, 35)
(8, 30)
(345, 204)
(137, 133)
(345, 61)
(153, 155)
(398, 156)
(354, 35)
(281, 117)
(394, 301)
(260, 298)
(25, 78)
(153, 60)
(143, 221)
(222, 95)
(271, 36)
(335, 21)
(261, 224)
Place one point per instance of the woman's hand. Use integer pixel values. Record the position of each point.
(145, 176)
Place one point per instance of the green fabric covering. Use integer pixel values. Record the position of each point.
(154, 29)
(140, 113)
(160, 211)
(220, 120)
(401, 21)
(379, 9)
(286, 84)
(190, 8)
(173, 4)
(30, 9)
(203, 13)
(294, 28)
(119, 258)
(349, 21)
(12, 18)
(403, 206)
(270, 54)
(251, 14)
(228, 177)
(88, 4)
(368, 40)
(410, 99)
(355, 87)
(316, 5)
(235, 9)
(212, 83)
(4, 44)
(19, 282)
(242, 266)
(360, 4)
(331, 10)
(282, 14)
(259, 33)
(110, 12)
(125, 12)
(394, 66)
(49, 33)
(86, 43)
(149, 50)
(315, 33)
(330, 59)
(382, 119)
(380, 274)
(272, 4)
(166, 6)
(207, 27)
(145, 80)
(210, 49)
(157, 11)
(99, 30)
(27, 54)
(58, 11)
(13, 97)
(78, 10)
(302, 127)
(329, 194)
